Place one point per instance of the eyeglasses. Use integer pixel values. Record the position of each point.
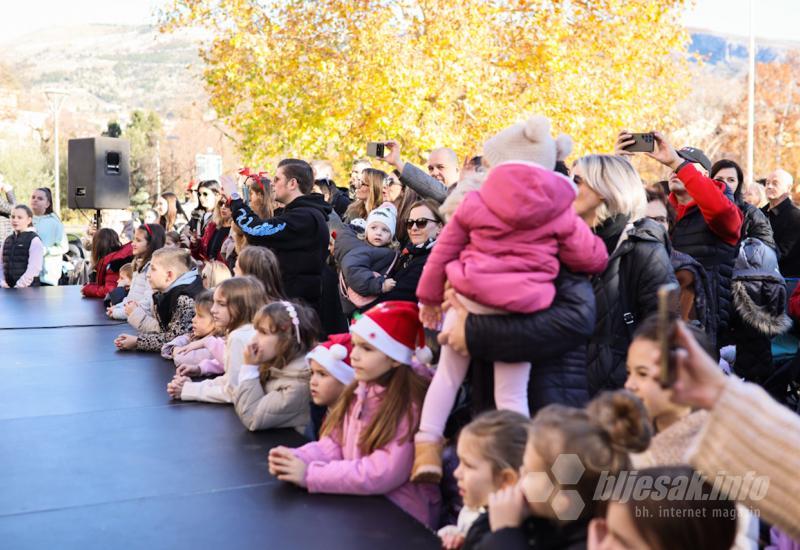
(388, 182)
(206, 194)
(421, 223)
(222, 203)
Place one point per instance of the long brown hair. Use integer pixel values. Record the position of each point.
(244, 295)
(155, 236)
(173, 209)
(104, 242)
(402, 399)
(275, 318)
(261, 263)
(361, 209)
(404, 203)
(260, 185)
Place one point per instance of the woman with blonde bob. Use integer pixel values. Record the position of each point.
(612, 201)
(369, 195)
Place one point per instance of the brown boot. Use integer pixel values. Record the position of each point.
(427, 462)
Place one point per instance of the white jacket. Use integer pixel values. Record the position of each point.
(282, 402)
(140, 293)
(222, 388)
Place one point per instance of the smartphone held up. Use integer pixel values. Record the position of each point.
(376, 149)
(642, 143)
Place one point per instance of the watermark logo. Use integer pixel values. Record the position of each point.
(558, 487)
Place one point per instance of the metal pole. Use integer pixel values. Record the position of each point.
(751, 100)
(57, 198)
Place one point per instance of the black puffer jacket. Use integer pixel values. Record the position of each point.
(553, 340)
(626, 293)
(298, 236)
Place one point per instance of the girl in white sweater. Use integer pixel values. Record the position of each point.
(236, 302)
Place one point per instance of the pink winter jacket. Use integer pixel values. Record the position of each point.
(210, 358)
(503, 245)
(341, 468)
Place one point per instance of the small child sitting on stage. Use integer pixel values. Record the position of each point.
(175, 283)
(123, 286)
(201, 351)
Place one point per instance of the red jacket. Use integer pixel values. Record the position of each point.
(794, 303)
(105, 279)
(200, 249)
(723, 217)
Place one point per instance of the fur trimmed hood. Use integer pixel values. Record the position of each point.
(761, 303)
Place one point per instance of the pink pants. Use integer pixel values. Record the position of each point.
(510, 385)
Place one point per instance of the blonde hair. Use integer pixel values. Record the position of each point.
(126, 271)
(214, 273)
(245, 295)
(178, 259)
(616, 180)
(361, 209)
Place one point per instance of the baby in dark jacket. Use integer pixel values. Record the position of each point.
(364, 264)
(175, 282)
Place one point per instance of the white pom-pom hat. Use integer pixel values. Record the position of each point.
(394, 328)
(334, 357)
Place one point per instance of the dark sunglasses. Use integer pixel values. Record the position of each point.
(206, 193)
(421, 223)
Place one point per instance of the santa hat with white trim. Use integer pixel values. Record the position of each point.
(394, 328)
(334, 357)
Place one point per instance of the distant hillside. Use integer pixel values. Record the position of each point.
(118, 67)
(724, 49)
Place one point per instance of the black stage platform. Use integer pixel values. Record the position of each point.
(93, 454)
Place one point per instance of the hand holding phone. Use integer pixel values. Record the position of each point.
(639, 143)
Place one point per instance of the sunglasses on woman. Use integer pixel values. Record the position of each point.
(421, 223)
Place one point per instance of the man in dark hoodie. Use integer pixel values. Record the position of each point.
(298, 234)
(708, 224)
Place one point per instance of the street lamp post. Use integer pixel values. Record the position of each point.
(55, 99)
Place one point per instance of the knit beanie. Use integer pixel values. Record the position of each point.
(394, 329)
(334, 357)
(528, 141)
(386, 213)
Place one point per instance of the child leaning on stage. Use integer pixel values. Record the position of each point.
(366, 445)
(22, 253)
(236, 302)
(117, 295)
(173, 277)
(501, 252)
(273, 381)
(201, 351)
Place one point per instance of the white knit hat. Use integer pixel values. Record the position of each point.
(334, 357)
(386, 213)
(527, 141)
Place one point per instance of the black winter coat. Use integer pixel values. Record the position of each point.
(298, 236)
(626, 293)
(534, 534)
(406, 272)
(756, 225)
(553, 340)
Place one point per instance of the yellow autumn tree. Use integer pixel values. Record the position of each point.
(319, 79)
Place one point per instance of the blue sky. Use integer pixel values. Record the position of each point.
(774, 19)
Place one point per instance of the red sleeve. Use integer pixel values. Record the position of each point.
(200, 249)
(99, 290)
(794, 303)
(721, 214)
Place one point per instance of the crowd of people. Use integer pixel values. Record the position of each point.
(445, 336)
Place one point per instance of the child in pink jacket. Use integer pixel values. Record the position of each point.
(501, 252)
(200, 352)
(355, 454)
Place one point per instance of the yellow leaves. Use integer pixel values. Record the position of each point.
(433, 72)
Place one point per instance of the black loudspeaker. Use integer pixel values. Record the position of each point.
(99, 173)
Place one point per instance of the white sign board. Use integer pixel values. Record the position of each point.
(208, 167)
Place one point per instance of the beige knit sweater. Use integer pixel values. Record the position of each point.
(747, 431)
